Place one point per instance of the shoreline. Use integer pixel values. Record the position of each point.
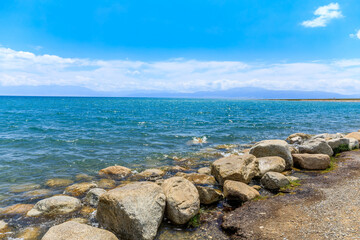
(318, 100)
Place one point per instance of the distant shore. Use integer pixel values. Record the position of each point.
(321, 100)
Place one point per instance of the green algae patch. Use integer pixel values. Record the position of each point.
(341, 148)
(194, 221)
(291, 186)
(332, 166)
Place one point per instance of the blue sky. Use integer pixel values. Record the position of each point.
(254, 41)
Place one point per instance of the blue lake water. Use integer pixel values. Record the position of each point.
(47, 137)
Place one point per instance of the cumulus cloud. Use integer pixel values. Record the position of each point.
(18, 68)
(324, 15)
(355, 35)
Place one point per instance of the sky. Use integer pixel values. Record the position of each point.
(181, 46)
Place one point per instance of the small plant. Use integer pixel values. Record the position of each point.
(194, 221)
(259, 198)
(341, 148)
(332, 165)
(291, 186)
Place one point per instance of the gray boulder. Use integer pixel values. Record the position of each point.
(93, 195)
(239, 191)
(271, 164)
(353, 143)
(235, 167)
(274, 180)
(316, 146)
(134, 211)
(312, 161)
(54, 206)
(328, 136)
(182, 199)
(72, 230)
(269, 148)
(209, 195)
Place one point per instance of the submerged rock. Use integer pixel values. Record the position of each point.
(182, 199)
(238, 191)
(134, 211)
(79, 189)
(198, 178)
(271, 164)
(58, 182)
(209, 195)
(204, 170)
(29, 233)
(116, 172)
(234, 167)
(54, 206)
(92, 197)
(77, 231)
(312, 161)
(270, 148)
(83, 177)
(17, 209)
(274, 180)
(24, 187)
(39, 193)
(106, 183)
(316, 146)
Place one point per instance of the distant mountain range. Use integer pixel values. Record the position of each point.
(235, 93)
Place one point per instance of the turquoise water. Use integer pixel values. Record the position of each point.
(47, 137)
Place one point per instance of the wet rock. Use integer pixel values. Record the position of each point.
(39, 193)
(54, 206)
(238, 191)
(182, 199)
(29, 233)
(270, 148)
(177, 169)
(149, 174)
(198, 178)
(312, 161)
(134, 211)
(355, 135)
(256, 187)
(93, 195)
(74, 230)
(298, 138)
(87, 211)
(58, 182)
(274, 180)
(204, 170)
(24, 187)
(17, 209)
(271, 164)
(234, 167)
(4, 228)
(209, 195)
(79, 189)
(106, 183)
(116, 172)
(83, 177)
(316, 146)
(80, 220)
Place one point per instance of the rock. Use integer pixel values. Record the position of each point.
(106, 183)
(149, 174)
(58, 182)
(238, 191)
(269, 148)
(76, 231)
(327, 136)
(293, 150)
(79, 220)
(355, 135)
(339, 142)
(83, 177)
(317, 146)
(256, 187)
(204, 170)
(297, 138)
(292, 178)
(274, 180)
(17, 209)
(271, 164)
(312, 161)
(177, 169)
(54, 206)
(79, 189)
(93, 195)
(353, 143)
(234, 167)
(134, 211)
(198, 178)
(209, 195)
(4, 227)
(182, 199)
(87, 211)
(29, 233)
(39, 193)
(117, 172)
(24, 187)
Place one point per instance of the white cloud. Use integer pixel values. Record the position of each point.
(325, 14)
(355, 35)
(18, 68)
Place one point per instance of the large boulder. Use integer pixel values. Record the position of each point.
(198, 178)
(328, 136)
(93, 195)
(209, 195)
(355, 135)
(311, 161)
(73, 230)
(235, 167)
(274, 180)
(298, 138)
(353, 143)
(239, 191)
(133, 211)
(338, 142)
(79, 189)
(54, 206)
(182, 199)
(316, 146)
(116, 172)
(269, 148)
(271, 164)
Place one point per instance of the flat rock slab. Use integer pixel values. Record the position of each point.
(311, 161)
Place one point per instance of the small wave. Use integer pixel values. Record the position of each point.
(198, 140)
